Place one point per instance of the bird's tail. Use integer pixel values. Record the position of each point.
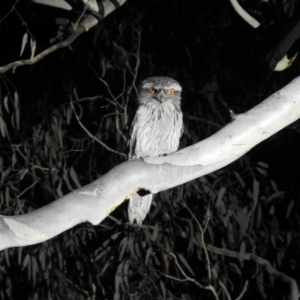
(138, 208)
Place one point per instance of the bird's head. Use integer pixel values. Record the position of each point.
(159, 91)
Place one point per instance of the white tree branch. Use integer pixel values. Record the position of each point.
(86, 23)
(97, 200)
(244, 15)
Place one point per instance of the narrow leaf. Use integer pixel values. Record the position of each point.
(6, 104)
(24, 42)
(33, 47)
(291, 205)
(183, 260)
(148, 253)
(17, 110)
(255, 194)
(163, 289)
(74, 177)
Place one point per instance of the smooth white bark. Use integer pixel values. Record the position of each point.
(244, 15)
(91, 4)
(95, 201)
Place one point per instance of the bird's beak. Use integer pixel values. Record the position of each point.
(159, 97)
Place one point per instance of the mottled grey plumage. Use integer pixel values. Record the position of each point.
(156, 130)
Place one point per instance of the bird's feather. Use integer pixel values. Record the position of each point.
(138, 208)
(156, 130)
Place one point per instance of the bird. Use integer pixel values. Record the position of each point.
(155, 131)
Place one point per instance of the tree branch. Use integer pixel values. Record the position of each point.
(68, 41)
(94, 137)
(187, 278)
(87, 22)
(97, 200)
(244, 15)
(261, 261)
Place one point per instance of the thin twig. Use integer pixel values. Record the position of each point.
(137, 62)
(261, 261)
(202, 232)
(33, 166)
(243, 291)
(114, 101)
(92, 136)
(11, 10)
(68, 41)
(245, 256)
(80, 17)
(118, 126)
(204, 121)
(225, 290)
(187, 278)
(28, 188)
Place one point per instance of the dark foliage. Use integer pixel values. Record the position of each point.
(55, 114)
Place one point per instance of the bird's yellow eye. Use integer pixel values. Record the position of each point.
(151, 91)
(170, 92)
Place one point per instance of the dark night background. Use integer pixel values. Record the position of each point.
(221, 63)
